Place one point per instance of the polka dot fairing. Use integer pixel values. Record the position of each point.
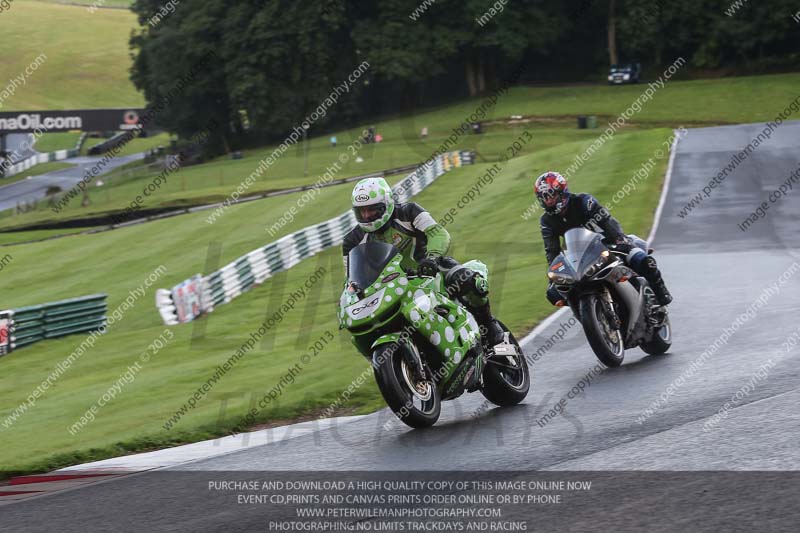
(449, 329)
(446, 325)
(379, 299)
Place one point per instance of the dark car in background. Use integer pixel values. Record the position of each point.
(624, 73)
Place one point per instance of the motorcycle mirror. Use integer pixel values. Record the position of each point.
(353, 288)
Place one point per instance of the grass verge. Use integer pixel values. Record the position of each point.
(87, 56)
(62, 140)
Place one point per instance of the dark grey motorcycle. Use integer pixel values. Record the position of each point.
(616, 307)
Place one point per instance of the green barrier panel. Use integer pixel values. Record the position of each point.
(29, 324)
(88, 307)
(28, 313)
(58, 319)
(79, 316)
(27, 332)
(73, 303)
(72, 330)
(25, 342)
(30, 329)
(86, 323)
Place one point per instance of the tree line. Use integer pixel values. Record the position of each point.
(278, 59)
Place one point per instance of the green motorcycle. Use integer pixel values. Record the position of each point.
(425, 347)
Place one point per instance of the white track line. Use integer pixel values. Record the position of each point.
(544, 325)
(667, 180)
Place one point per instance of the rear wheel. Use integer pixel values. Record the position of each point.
(661, 341)
(604, 338)
(413, 400)
(506, 378)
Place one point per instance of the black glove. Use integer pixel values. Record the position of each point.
(622, 244)
(429, 266)
(553, 296)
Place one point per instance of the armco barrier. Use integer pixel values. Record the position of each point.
(119, 139)
(37, 159)
(201, 294)
(27, 325)
(33, 160)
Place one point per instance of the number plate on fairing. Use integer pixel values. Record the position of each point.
(366, 306)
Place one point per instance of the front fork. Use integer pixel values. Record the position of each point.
(609, 311)
(607, 306)
(414, 360)
(410, 353)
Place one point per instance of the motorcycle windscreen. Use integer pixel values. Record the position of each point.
(366, 262)
(583, 248)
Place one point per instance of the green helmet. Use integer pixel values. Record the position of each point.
(373, 203)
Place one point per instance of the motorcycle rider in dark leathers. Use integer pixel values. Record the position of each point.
(565, 211)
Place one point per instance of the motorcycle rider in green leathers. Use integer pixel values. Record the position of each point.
(423, 244)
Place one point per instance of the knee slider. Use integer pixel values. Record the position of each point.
(463, 280)
(481, 286)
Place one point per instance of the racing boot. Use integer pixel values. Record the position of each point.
(494, 333)
(653, 276)
(645, 265)
(660, 289)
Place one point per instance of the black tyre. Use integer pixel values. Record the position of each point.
(605, 340)
(661, 341)
(506, 379)
(416, 403)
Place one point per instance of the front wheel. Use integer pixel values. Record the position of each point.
(604, 338)
(661, 341)
(414, 401)
(506, 378)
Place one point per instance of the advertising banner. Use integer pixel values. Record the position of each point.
(188, 299)
(78, 119)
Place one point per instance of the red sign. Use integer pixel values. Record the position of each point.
(4, 336)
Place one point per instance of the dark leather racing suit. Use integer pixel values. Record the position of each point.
(583, 210)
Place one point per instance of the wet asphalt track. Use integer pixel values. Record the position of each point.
(34, 188)
(715, 272)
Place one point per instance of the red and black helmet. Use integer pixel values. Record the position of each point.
(552, 192)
